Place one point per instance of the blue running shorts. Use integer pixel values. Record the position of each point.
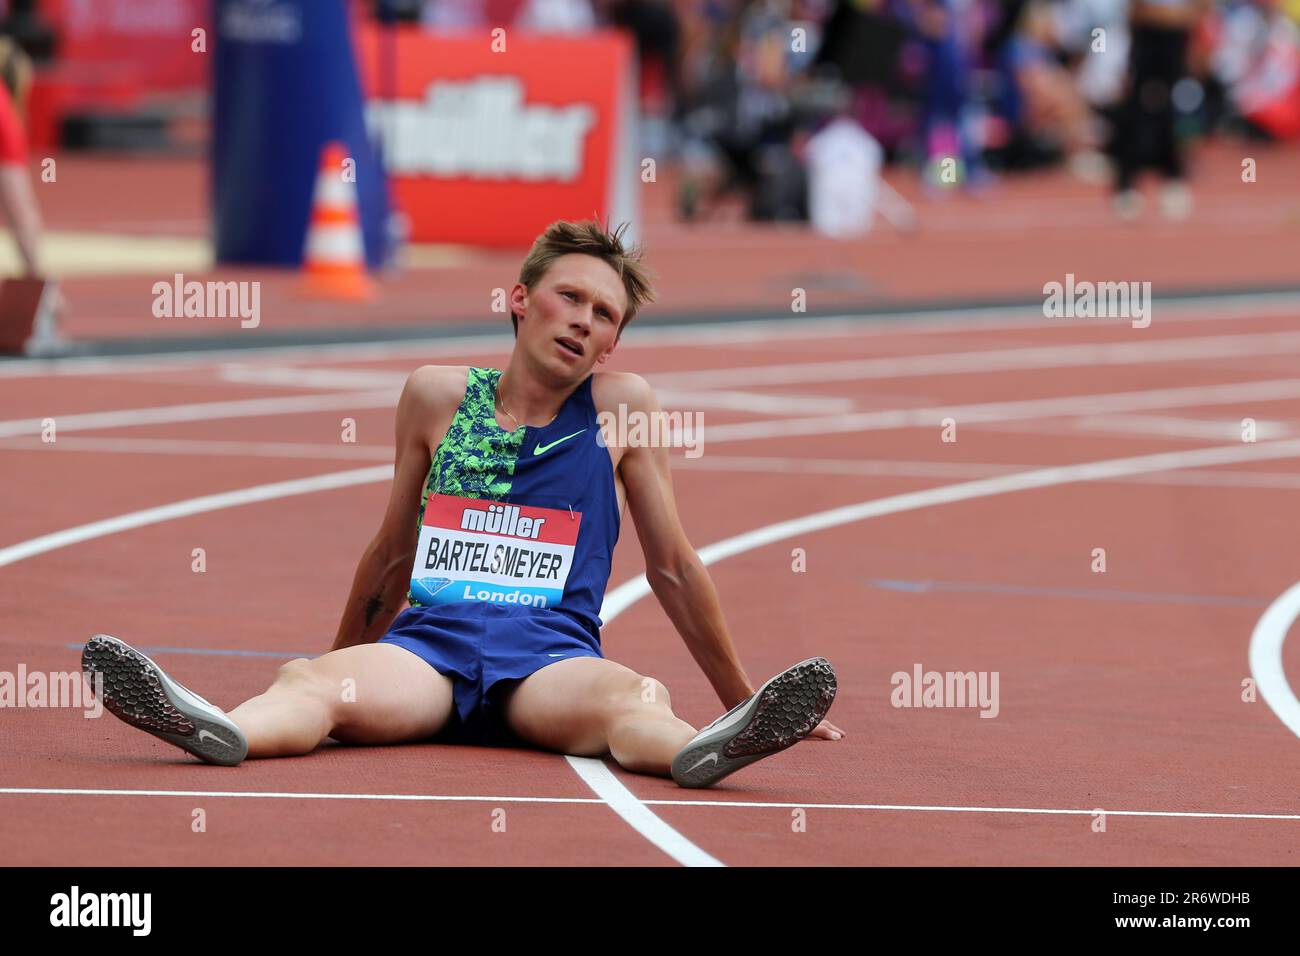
(485, 649)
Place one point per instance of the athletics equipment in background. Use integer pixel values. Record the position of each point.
(334, 258)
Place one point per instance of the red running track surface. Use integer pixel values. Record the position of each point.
(1120, 691)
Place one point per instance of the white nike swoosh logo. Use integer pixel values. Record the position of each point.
(703, 760)
(206, 734)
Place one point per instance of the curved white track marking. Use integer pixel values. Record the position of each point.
(192, 506)
(202, 411)
(1266, 657)
(636, 814)
(596, 801)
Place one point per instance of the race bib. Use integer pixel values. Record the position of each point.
(472, 550)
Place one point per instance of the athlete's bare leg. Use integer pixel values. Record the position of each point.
(367, 694)
(589, 706)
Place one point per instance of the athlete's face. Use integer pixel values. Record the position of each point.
(569, 321)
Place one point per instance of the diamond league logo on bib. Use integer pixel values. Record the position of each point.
(474, 550)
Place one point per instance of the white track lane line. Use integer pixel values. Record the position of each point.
(596, 801)
(290, 795)
(868, 468)
(192, 506)
(1266, 657)
(863, 468)
(759, 403)
(199, 446)
(202, 411)
(1065, 406)
(1025, 359)
(1267, 390)
(859, 467)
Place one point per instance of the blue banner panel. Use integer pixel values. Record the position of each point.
(285, 83)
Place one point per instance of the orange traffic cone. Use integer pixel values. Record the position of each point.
(335, 259)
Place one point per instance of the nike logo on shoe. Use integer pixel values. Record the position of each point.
(781, 713)
(209, 735)
(713, 757)
(543, 449)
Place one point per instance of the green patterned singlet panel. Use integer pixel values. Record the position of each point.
(476, 458)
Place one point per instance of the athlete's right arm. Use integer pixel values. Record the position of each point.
(424, 412)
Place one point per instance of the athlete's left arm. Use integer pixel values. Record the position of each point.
(674, 570)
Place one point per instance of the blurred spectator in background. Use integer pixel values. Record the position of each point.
(861, 46)
(657, 31)
(1257, 61)
(739, 125)
(1049, 104)
(1094, 36)
(1146, 135)
(951, 34)
(17, 195)
(1017, 84)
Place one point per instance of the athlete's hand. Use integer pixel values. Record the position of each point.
(826, 731)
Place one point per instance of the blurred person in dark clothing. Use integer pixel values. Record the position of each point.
(655, 27)
(951, 34)
(740, 123)
(1052, 107)
(1146, 135)
(861, 45)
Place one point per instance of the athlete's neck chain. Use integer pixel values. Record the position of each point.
(502, 404)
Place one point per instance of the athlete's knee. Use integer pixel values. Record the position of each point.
(298, 670)
(304, 678)
(639, 695)
(653, 692)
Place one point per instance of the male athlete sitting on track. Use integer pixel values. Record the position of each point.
(506, 505)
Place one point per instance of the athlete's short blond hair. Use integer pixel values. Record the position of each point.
(589, 237)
